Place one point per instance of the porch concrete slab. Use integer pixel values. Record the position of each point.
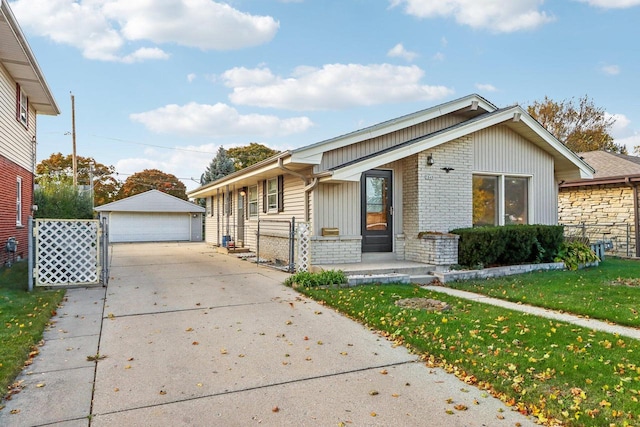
(408, 394)
(51, 398)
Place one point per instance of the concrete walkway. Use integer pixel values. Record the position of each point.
(186, 336)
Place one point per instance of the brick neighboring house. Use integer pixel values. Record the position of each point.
(24, 94)
(368, 195)
(604, 208)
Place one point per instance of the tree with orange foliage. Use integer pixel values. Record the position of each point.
(153, 179)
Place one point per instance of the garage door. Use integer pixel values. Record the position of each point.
(149, 227)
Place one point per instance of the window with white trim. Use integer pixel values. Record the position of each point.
(500, 200)
(19, 201)
(22, 106)
(253, 201)
(272, 195)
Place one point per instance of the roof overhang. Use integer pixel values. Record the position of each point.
(565, 161)
(622, 179)
(20, 62)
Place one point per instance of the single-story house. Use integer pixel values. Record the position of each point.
(369, 194)
(24, 94)
(604, 208)
(152, 216)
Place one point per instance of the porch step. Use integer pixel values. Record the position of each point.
(223, 250)
(361, 279)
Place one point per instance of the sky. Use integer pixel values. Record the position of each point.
(162, 84)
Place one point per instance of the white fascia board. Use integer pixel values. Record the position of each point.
(586, 171)
(312, 154)
(353, 173)
(210, 189)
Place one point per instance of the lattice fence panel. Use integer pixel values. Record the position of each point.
(67, 252)
(304, 252)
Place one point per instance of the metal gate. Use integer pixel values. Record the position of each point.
(69, 252)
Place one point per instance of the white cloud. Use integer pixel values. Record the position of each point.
(439, 56)
(612, 4)
(332, 86)
(620, 128)
(398, 51)
(612, 70)
(219, 120)
(495, 15)
(191, 77)
(486, 87)
(102, 28)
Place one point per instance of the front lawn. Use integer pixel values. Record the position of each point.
(23, 317)
(556, 372)
(608, 292)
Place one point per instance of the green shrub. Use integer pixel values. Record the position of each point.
(508, 245)
(58, 198)
(314, 280)
(576, 253)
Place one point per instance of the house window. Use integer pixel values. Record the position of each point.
(209, 203)
(500, 200)
(22, 106)
(272, 195)
(253, 201)
(19, 201)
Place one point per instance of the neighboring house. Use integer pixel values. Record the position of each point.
(604, 208)
(368, 194)
(152, 216)
(24, 94)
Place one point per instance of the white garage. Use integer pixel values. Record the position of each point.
(152, 216)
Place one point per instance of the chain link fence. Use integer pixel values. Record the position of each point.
(617, 239)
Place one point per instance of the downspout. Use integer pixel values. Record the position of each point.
(636, 220)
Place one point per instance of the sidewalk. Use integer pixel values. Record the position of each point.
(187, 336)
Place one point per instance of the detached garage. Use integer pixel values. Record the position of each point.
(152, 216)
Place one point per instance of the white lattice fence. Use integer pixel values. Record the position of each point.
(67, 252)
(304, 252)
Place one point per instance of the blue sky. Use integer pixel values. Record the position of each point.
(163, 83)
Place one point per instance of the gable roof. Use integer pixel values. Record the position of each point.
(610, 168)
(18, 59)
(151, 201)
(477, 112)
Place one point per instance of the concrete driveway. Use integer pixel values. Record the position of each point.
(192, 337)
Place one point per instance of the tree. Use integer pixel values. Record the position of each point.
(221, 165)
(105, 186)
(581, 126)
(153, 179)
(250, 154)
(56, 197)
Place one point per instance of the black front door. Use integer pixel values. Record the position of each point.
(377, 211)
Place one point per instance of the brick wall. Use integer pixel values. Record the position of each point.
(8, 173)
(335, 250)
(437, 249)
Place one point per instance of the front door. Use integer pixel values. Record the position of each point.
(377, 211)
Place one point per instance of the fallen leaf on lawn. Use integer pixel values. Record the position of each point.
(460, 407)
(449, 400)
(449, 411)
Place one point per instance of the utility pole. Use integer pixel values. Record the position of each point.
(73, 137)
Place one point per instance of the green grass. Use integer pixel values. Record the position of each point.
(608, 292)
(23, 317)
(554, 371)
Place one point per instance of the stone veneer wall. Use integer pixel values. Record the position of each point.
(607, 210)
(433, 199)
(336, 249)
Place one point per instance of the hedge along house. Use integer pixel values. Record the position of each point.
(605, 208)
(24, 94)
(369, 194)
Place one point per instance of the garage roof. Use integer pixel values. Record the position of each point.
(151, 201)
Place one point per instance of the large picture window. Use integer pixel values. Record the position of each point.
(500, 200)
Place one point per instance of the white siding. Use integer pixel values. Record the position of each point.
(15, 140)
(500, 150)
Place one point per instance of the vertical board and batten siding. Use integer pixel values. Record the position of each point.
(15, 140)
(501, 150)
(351, 152)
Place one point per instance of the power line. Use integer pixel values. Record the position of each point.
(152, 145)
